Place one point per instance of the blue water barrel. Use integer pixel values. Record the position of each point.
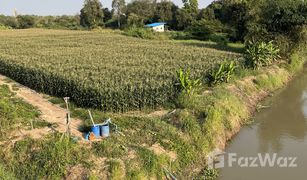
(96, 130)
(105, 130)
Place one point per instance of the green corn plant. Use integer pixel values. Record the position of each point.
(222, 72)
(186, 84)
(104, 71)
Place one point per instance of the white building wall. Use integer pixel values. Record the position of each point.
(159, 28)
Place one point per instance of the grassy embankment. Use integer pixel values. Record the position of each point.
(28, 158)
(153, 142)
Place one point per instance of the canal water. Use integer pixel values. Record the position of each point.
(278, 133)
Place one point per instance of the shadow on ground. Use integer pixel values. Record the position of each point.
(236, 48)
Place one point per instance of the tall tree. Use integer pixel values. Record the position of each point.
(188, 14)
(166, 11)
(206, 13)
(144, 9)
(191, 4)
(26, 21)
(107, 14)
(119, 7)
(91, 14)
(280, 20)
(233, 13)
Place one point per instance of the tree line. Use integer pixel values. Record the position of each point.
(235, 20)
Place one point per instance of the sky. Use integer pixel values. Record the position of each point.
(58, 7)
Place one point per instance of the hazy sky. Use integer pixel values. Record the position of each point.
(56, 7)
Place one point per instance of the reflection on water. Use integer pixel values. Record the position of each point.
(304, 107)
(284, 119)
(280, 129)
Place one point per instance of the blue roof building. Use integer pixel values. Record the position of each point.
(158, 27)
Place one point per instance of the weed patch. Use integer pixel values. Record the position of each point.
(49, 158)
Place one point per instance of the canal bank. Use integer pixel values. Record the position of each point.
(222, 111)
(279, 132)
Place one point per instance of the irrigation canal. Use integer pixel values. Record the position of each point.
(274, 146)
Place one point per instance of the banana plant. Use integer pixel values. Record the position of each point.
(261, 54)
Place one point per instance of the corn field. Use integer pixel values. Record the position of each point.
(103, 70)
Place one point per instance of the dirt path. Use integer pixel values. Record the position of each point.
(49, 112)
